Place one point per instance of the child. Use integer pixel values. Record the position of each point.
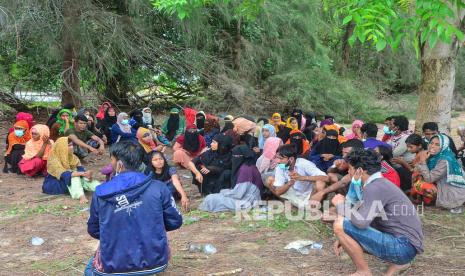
(16, 143)
(163, 172)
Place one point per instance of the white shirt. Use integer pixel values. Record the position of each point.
(304, 168)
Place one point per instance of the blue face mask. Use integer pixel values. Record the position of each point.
(388, 131)
(357, 182)
(125, 122)
(283, 167)
(19, 132)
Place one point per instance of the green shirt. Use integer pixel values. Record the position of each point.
(84, 136)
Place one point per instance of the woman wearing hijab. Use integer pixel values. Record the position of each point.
(356, 130)
(188, 146)
(282, 131)
(122, 130)
(438, 165)
(292, 123)
(228, 124)
(64, 121)
(266, 132)
(326, 151)
(267, 162)
(36, 152)
(212, 128)
(301, 143)
(23, 116)
(200, 118)
(136, 120)
(147, 140)
(247, 187)
(65, 173)
(174, 125)
(147, 118)
(16, 145)
(102, 111)
(54, 116)
(215, 166)
(301, 120)
(107, 123)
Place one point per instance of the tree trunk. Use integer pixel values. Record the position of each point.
(437, 85)
(116, 95)
(71, 91)
(11, 100)
(346, 47)
(236, 51)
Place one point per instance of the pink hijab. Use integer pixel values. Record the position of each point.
(355, 124)
(267, 160)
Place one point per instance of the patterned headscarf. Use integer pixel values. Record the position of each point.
(454, 170)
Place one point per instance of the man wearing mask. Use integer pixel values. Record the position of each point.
(295, 178)
(130, 215)
(385, 223)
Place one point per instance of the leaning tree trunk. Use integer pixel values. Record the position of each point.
(9, 98)
(71, 91)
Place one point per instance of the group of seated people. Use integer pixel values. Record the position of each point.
(244, 161)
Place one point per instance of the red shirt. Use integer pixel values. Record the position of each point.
(390, 173)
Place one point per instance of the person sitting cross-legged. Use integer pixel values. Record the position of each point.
(130, 215)
(84, 140)
(295, 178)
(385, 223)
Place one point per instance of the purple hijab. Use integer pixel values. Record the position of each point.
(250, 173)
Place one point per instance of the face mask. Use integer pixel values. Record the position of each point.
(388, 131)
(357, 182)
(125, 122)
(119, 167)
(19, 132)
(283, 167)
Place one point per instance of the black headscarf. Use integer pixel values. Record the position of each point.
(329, 146)
(309, 117)
(241, 154)
(109, 121)
(297, 139)
(137, 115)
(191, 141)
(297, 113)
(227, 126)
(220, 156)
(200, 122)
(264, 120)
(173, 122)
(249, 140)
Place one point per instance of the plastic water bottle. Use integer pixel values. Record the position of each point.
(37, 241)
(316, 246)
(209, 249)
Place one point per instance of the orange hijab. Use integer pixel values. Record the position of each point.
(305, 142)
(276, 126)
(147, 147)
(340, 138)
(15, 140)
(33, 147)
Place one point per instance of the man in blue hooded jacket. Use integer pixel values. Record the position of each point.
(130, 215)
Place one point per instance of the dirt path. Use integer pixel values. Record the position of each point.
(254, 247)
